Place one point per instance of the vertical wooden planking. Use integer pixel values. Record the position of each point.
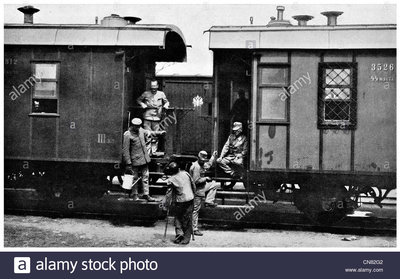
(44, 138)
(17, 70)
(375, 137)
(44, 129)
(253, 141)
(272, 146)
(73, 103)
(105, 103)
(304, 142)
(336, 151)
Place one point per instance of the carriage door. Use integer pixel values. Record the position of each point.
(270, 112)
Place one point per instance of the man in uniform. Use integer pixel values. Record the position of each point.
(153, 102)
(234, 152)
(136, 156)
(183, 190)
(205, 187)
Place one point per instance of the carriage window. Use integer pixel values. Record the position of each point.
(274, 76)
(45, 90)
(337, 100)
(273, 82)
(273, 108)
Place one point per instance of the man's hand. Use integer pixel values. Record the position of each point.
(215, 153)
(219, 160)
(208, 179)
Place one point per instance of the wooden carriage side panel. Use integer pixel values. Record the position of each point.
(271, 146)
(336, 144)
(44, 130)
(336, 150)
(375, 137)
(105, 105)
(44, 137)
(17, 101)
(270, 111)
(75, 77)
(304, 135)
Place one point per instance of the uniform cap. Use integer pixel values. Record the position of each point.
(203, 155)
(236, 126)
(171, 169)
(136, 121)
(153, 84)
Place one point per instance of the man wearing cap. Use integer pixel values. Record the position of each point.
(136, 156)
(234, 151)
(153, 102)
(205, 187)
(183, 190)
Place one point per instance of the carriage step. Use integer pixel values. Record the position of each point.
(235, 194)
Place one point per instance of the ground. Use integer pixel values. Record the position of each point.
(37, 231)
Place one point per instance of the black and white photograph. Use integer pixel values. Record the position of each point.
(199, 126)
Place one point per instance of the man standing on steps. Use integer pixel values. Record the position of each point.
(153, 102)
(205, 187)
(136, 156)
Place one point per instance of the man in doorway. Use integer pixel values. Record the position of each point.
(136, 156)
(234, 152)
(205, 187)
(153, 102)
(240, 109)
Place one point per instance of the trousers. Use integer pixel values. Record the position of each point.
(230, 164)
(144, 171)
(183, 219)
(152, 126)
(210, 192)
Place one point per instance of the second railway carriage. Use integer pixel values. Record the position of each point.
(322, 118)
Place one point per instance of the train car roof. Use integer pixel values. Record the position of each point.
(167, 37)
(378, 36)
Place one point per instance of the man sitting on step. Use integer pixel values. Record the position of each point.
(234, 152)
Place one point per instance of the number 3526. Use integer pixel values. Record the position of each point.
(382, 67)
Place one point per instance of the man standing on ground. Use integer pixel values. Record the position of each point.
(183, 190)
(153, 102)
(136, 156)
(205, 187)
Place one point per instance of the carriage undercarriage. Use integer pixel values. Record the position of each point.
(323, 199)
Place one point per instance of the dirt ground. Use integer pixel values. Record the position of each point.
(37, 231)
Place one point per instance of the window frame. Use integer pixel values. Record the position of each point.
(262, 86)
(350, 124)
(57, 89)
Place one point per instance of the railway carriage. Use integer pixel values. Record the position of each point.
(70, 91)
(322, 119)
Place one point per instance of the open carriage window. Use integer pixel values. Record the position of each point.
(45, 90)
(337, 96)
